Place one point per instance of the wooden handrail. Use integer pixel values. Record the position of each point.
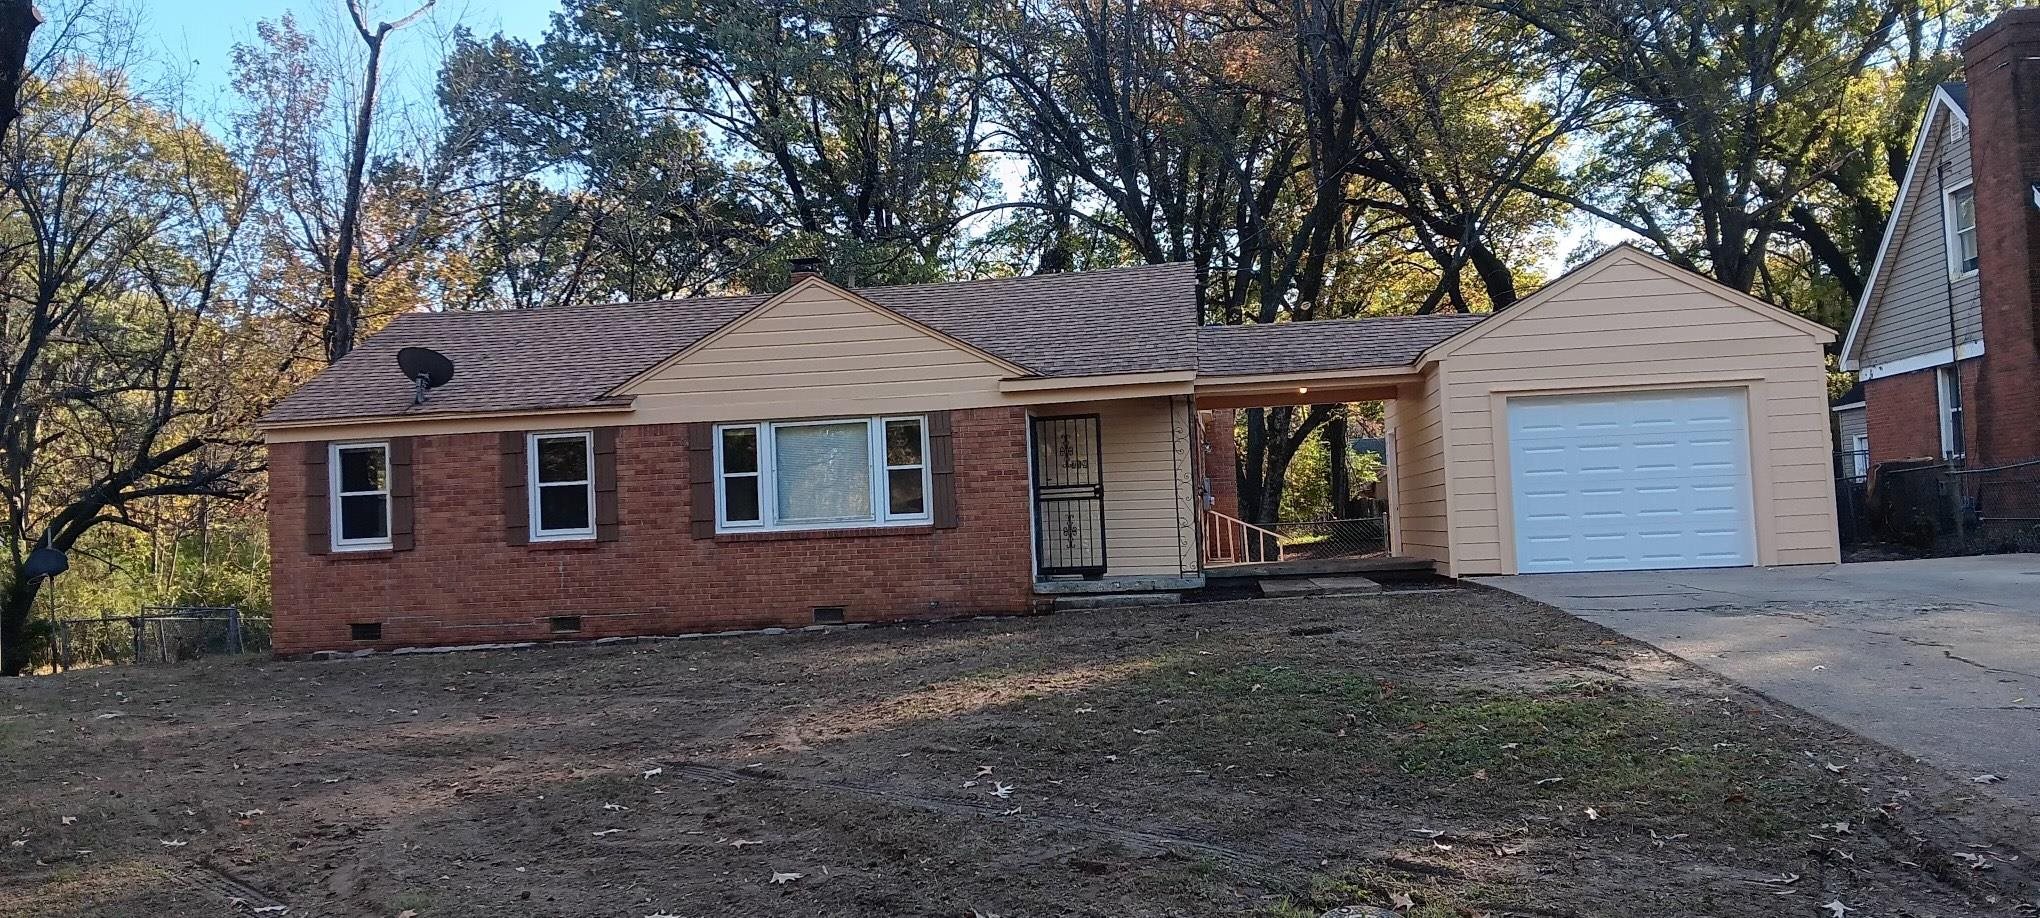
(1231, 540)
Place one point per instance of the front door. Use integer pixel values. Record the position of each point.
(1069, 496)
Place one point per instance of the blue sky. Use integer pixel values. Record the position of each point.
(193, 40)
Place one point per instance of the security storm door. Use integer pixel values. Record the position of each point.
(1631, 481)
(1069, 496)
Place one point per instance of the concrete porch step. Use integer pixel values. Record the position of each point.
(1333, 585)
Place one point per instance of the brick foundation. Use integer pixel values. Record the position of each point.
(463, 584)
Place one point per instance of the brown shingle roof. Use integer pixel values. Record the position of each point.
(1122, 320)
(1326, 344)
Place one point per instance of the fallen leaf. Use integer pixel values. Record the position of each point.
(174, 844)
(1836, 908)
(1402, 901)
(1549, 780)
(67, 820)
(1975, 861)
(744, 842)
(1429, 833)
(1591, 815)
(1986, 779)
(408, 913)
(614, 806)
(601, 832)
(654, 772)
(249, 814)
(778, 877)
(1001, 790)
(983, 770)
(1837, 769)
(1511, 850)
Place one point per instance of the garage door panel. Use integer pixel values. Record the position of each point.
(1633, 481)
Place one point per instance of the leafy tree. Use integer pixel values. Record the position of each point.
(118, 229)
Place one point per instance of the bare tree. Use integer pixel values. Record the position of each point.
(343, 318)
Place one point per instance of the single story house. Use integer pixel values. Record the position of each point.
(1946, 338)
(826, 454)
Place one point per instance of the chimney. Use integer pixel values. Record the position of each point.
(804, 267)
(2001, 64)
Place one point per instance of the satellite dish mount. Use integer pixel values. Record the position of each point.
(426, 368)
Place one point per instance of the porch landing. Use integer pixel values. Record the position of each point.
(1313, 567)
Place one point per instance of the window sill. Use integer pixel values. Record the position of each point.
(858, 532)
(587, 544)
(354, 554)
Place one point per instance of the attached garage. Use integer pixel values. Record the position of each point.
(1628, 416)
(1631, 480)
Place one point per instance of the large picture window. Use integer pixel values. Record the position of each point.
(562, 486)
(360, 486)
(822, 474)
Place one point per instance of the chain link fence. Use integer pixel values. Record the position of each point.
(1939, 507)
(157, 635)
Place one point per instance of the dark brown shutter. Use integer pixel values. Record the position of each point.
(318, 509)
(401, 494)
(608, 527)
(516, 512)
(942, 468)
(701, 478)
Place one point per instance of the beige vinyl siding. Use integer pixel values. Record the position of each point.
(1416, 428)
(1150, 499)
(819, 354)
(1910, 314)
(1650, 331)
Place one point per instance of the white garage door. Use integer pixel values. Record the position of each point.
(1636, 481)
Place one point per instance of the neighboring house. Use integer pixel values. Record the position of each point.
(827, 454)
(1852, 433)
(1943, 339)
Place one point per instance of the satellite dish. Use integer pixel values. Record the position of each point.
(45, 562)
(428, 368)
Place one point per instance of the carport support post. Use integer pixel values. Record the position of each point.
(1953, 479)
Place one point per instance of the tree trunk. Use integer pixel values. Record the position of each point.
(343, 316)
(18, 21)
(16, 607)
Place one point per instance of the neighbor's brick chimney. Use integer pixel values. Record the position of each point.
(2001, 63)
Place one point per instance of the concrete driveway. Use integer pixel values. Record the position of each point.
(1939, 657)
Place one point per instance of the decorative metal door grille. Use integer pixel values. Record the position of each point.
(1069, 496)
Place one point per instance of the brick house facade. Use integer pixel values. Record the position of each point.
(1996, 154)
(463, 582)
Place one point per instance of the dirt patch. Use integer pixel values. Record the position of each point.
(1472, 751)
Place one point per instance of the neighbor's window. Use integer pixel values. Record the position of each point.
(1950, 386)
(1962, 231)
(562, 486)
(822, 474)
(360, 486)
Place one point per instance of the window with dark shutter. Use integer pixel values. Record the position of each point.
(401, 495)
(701, 479)
(516, 513)
(942, 468)
(608, 520)
(318, 512)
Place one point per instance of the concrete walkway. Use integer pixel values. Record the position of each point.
(1939, 657)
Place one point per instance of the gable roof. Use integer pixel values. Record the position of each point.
(850, 296)
(1953, 100)
(1623, 253)
(1324, 344)
(1118, 320)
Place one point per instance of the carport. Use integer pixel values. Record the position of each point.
(1630, 415)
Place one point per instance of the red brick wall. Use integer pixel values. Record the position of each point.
(1904, 414)
(1221, 462)
(2002, 67)
(462, 584)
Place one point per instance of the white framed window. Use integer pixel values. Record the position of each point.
(560, 485)
(1859, 454)
(359, 480)
(1948, 383)
(1960, 208)
(832, 474)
